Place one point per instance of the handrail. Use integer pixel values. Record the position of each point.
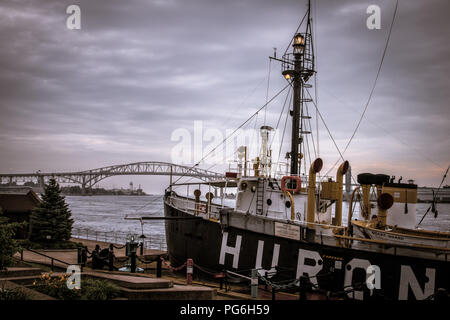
(417, 246)
(298, 222)
(44, 255)
(52, 258)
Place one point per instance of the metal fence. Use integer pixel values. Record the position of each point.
(118, 237)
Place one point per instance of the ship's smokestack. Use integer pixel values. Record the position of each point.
(340, 181)
(316, 166)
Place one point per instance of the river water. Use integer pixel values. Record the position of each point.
(102, 217)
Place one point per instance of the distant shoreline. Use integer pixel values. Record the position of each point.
(105, 194)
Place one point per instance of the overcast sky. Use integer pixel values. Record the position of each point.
(116, 90)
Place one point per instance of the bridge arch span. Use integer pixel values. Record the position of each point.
(89, 178)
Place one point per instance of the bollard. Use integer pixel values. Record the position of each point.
(133, 261)
(84, 256)
(111, 261)
(304, 282)
(158, 267)
(142, 248)
(189, 270)
(111, 257)
(220, 276)
(79, 255)
(254, 284)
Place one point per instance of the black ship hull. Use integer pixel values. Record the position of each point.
(331, 268)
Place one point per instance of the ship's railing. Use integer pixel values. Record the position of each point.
(157, 242)
(190, 206)
(201, 209)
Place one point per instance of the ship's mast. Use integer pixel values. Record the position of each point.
(298, 67)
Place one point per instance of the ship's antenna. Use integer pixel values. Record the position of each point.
(298, 67)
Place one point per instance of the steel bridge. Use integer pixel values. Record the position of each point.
(88, 178)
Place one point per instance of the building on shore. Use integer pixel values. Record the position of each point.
(425, 194)
(17, 203)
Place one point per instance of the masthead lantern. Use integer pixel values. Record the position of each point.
(299, 43)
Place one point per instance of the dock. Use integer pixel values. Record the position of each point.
(133, 286)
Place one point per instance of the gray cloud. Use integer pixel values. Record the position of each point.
(114, 91)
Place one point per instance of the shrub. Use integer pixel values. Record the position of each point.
(56, 287)
(90, 289)
(8, 246)
(98, 290)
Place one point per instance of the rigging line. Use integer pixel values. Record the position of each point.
(281, 114)
(310, 128)
(216, 164)
(284, 130)
(374, 83)
(376, 78)
(243, 100)
(303, 136)
(292, 38)
(147, 204)
(316, 84)
(307, 151)
(328, 130)
(435, 195)
(317, 118)
(254, 136)
(329, 133)
(267, 91)
(231, 134)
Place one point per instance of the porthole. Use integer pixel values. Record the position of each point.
(243, 186)
(269, 202)
(288, 204)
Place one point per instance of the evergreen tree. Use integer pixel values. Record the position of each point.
(51, 221)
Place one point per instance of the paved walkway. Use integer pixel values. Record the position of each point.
(70, 255)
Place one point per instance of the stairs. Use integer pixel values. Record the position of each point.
(260, 196)
(132, 286)
(135, 287)
(17, 272)
(21, 279)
